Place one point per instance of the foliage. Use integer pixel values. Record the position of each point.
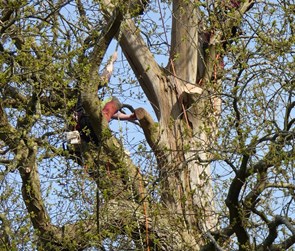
(147, 185)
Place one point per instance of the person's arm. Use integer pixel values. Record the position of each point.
(122, 116)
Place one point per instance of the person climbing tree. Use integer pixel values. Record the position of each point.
(112, 109)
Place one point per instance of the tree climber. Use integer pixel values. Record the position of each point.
(112, 109)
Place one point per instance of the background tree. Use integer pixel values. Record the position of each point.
(224, 99)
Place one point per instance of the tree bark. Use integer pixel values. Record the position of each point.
(185, 98)
(182, 143)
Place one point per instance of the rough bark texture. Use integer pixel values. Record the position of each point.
(185, 96)
(182, 145)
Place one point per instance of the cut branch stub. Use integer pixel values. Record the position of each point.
(150, 128)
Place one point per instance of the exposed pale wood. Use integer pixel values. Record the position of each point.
(184, 41)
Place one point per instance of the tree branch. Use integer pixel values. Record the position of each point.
(142, 63)
(9, 91)
(150, 128)
(218, 37)
(235, 209)
(6, 234)
(7, 133)
(184, 48)
(82, 13)
(287, 123)
(273, 225)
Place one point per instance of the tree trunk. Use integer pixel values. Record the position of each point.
(183, 166)
(186, 118)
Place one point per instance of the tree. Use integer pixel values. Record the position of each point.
(224, 101)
